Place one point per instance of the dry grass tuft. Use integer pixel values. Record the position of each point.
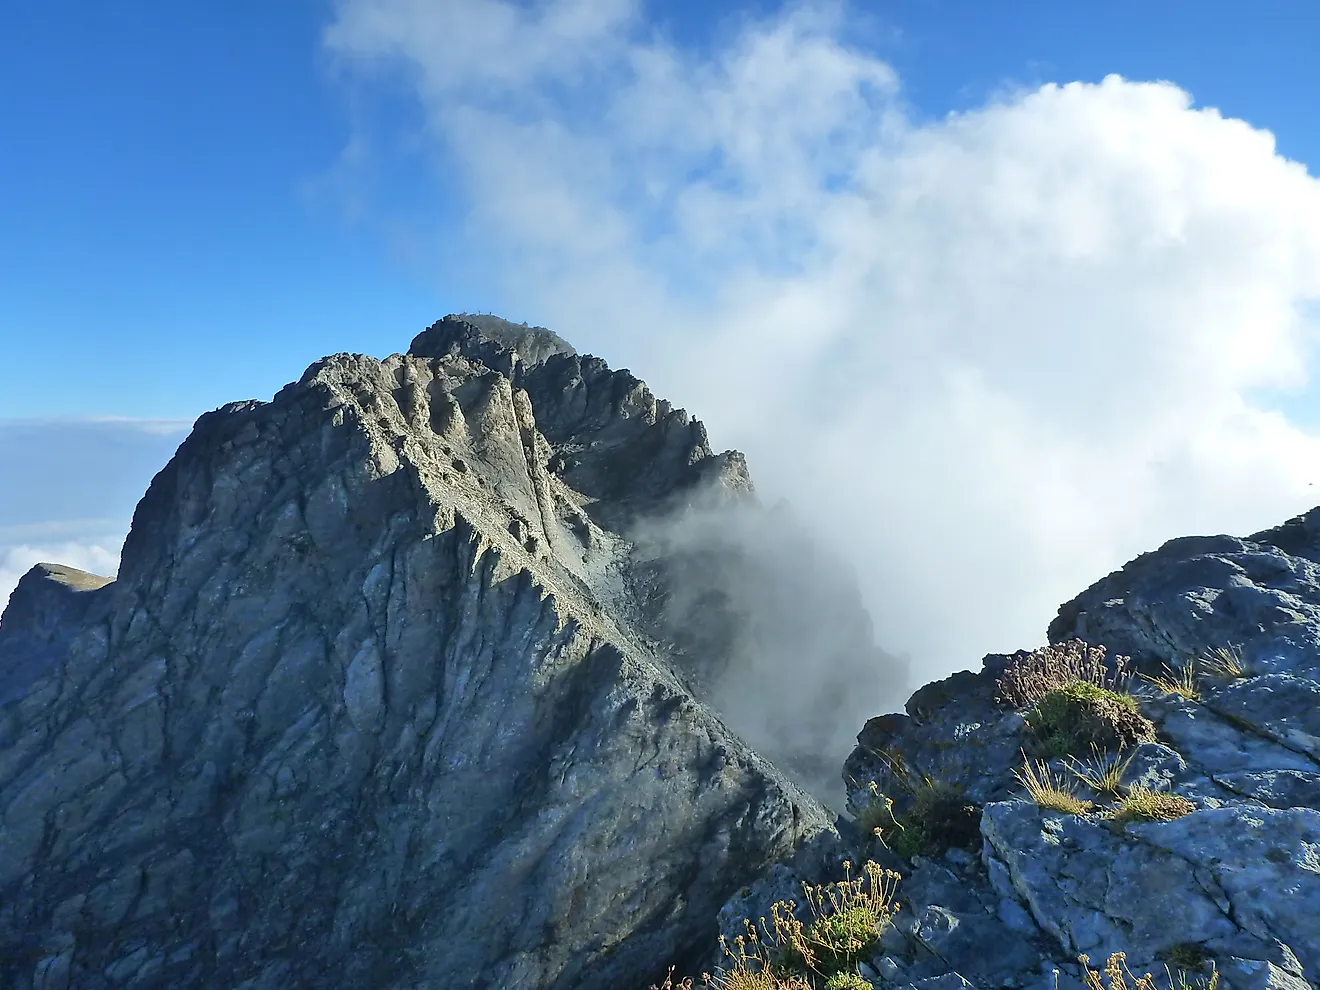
(1184, 681)
(1103, 772)
(1029, 678)
(1049, 792)
(1144, 804)
(1224, 662)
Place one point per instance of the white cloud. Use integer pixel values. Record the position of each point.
(992, 356)
(75, 484)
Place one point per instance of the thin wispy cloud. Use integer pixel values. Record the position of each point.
(990, 357)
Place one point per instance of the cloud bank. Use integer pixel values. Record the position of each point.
(75, 485)
(989, 357)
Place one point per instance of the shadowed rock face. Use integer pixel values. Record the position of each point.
(373, 704)
(50, 602)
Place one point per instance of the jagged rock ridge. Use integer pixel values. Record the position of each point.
(374, 702)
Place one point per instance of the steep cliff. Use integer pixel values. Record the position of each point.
(386, 696)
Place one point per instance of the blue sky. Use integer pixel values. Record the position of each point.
(172, 226)
(934, 265)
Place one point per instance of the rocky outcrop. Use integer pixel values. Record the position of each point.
(384, 696)
(48, 605)
(1233, 885)
(442, 670)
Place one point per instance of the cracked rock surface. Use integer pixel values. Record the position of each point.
(376, 700)
(1235, 883)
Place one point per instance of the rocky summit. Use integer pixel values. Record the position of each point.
(384, 696)
(477, 667)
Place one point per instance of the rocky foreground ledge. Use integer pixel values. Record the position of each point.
(398, 689)
(1199, 853)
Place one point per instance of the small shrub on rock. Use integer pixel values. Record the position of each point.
(1186, 955)
(848, 918)
(669, 984)
(1144, 804)
(1076, 716)
(941, 817)
(847, 981)
(1032, 676)
(876, 817)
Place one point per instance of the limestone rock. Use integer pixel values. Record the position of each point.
(49, 602)
(1209, 591)
(375, 700)
(1236, 882)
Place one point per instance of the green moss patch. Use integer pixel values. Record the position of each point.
(1079, 716)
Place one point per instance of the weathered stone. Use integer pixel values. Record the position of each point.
(1275, 788)
(1212, 745)
(1254, 974)
(1098, 892)
(1195, 593)
(380, 699)
(1266, 863)
(48, 606)
(1280, 706)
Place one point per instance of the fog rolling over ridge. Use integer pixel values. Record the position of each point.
(803, 671)
(988, 356)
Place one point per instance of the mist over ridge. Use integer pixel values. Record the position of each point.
(989, 356)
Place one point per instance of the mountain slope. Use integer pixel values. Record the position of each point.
(375, 701)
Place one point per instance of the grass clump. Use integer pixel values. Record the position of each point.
(1117, 976)
(1080, 715)
(847, 919)
(1048, 791)
(1224, 662)
(1145, 804)
(940, 817)
(1184, 681)
(1103, 772)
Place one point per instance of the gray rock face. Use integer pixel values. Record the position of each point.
(1235, 882)
(380, 700)
(1202, 591)
(49, 603)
